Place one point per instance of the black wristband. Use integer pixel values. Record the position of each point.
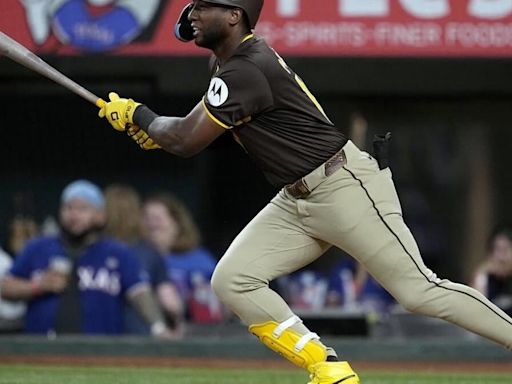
(143, 117)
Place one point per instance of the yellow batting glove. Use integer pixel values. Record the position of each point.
(141, 138)
(119, 111)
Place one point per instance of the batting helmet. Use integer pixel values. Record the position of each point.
(252, 8)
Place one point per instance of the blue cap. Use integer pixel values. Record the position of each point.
(84, 190)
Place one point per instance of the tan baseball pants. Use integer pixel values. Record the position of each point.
(357, 210)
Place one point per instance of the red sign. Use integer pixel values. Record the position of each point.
(292, 27)
(389, 27)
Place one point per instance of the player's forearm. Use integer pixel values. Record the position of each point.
(170, 300)
(181, 136)
(13, 288)
(170, 134)
(165, 130)
(144, 303)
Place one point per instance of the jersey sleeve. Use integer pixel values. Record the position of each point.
(236, 93)
(132, 272)
(22, 266)
(160, 272)
(155, 265)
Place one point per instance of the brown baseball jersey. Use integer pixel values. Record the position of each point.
(271, 112)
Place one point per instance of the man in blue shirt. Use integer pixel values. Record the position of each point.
(76, 282)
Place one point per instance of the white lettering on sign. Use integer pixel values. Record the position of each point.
(427, 9)
(483, 35)
(325, 34)
(358, 8)
(382, 35)
(418, 35)
(288, 8)
(490, 9)
(422, 9)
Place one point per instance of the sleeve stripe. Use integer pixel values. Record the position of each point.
(213, 117)
(137, 287)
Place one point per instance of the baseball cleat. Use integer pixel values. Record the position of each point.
(335, 372)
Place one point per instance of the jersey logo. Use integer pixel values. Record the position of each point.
(217, 92)
(112, 263)
(101, 279)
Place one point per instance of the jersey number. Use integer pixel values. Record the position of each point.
(301, 84)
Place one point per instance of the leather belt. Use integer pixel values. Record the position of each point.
(300, 189)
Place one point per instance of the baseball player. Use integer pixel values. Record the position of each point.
(76, 282)
(331, 192)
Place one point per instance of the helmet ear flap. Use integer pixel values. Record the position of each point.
(183, 28)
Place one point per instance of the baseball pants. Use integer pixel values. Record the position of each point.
(356, 209)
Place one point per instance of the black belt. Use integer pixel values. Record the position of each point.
(300, 189)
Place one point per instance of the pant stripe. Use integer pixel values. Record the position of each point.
(411, 257)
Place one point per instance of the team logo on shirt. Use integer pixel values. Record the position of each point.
(101, 279)
(112, 263)
(217, 92)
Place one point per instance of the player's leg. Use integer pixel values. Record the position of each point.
(365, 219)
(271, 245)
(400, 269)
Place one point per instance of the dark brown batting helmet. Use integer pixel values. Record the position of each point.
(252, 8)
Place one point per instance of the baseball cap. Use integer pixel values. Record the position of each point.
(84, 190)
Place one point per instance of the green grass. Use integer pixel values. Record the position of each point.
(29, 374)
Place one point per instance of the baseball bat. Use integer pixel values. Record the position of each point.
(20, 54)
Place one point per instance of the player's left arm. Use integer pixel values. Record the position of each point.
(138, 292)
(143, 301)
(181, 136)
(236, 94)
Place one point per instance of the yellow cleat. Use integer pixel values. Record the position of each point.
(332, 372)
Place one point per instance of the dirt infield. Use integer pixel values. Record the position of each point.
(251, 363)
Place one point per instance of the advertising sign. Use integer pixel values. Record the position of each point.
(442, 28)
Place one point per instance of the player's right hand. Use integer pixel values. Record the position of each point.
(141, 138)
(118, 111)
(52, 281)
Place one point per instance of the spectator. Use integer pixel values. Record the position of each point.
(76, 282)
(11, 313)
(493, 277)
(352, 288)
(22, 228)
(304, 290)
(123, 206)
(169, 227)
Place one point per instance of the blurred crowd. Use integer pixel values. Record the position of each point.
(493, 276)
(113, 263)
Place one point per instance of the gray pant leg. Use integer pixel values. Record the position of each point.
(271, 245)
(362, 215)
